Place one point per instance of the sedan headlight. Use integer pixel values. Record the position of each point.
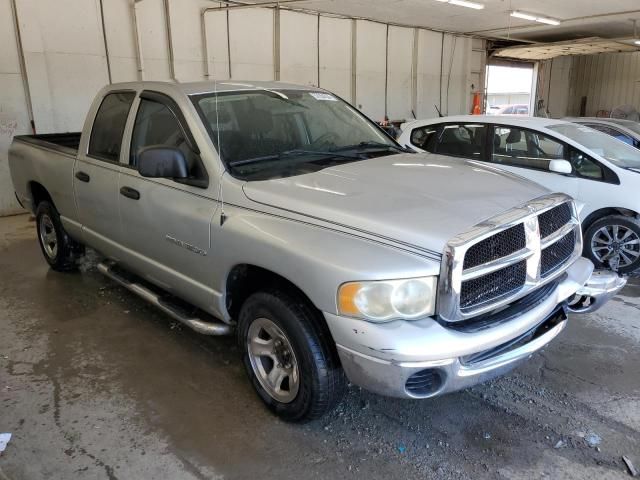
(380, 301)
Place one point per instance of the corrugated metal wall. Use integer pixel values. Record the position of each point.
(607, 80)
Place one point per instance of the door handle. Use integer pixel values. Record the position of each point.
(83, 177)
(130, 193)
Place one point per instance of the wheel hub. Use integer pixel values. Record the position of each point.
(273, 360)
(616, 246)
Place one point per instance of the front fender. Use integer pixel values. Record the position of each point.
(316, 259)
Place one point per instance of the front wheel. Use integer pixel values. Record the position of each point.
(289, 356)
(614, 242)
(59, 250)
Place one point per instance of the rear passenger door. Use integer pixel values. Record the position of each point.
(528, 153)
(96, 174)
(166, 223)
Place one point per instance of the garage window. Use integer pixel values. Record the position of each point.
(525, 148)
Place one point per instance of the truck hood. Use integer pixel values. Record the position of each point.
(419, 199)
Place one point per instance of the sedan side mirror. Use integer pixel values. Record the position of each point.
(560, 166)
(162, 162)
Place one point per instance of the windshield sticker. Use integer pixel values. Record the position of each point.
(323, 96)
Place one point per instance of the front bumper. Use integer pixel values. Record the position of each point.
(601, 287)
(384, 357)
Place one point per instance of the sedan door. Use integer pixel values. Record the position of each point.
(528, 153)
(166, 224)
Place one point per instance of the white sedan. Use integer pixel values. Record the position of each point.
(596, 169)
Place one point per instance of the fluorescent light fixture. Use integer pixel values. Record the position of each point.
(548, 21)
(463, 3)
(525, 16)
(637, 42)
(535, 18)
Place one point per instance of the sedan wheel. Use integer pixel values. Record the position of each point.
(614, 242)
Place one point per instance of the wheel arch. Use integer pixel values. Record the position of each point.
(39, 193)
(245, 279)
(605, 212)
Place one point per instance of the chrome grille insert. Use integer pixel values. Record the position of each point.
(507, 257)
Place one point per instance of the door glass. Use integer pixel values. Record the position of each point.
(585, 166)
(462, 140)
(108, 126)
(525, 148)
(423, 137)
(155, 125)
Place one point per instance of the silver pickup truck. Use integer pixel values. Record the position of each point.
(282, 213)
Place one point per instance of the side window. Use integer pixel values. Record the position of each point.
(585, 166)
(108, 126)
(155, 125)
(423, 137)
(462, 140)
(525, 148)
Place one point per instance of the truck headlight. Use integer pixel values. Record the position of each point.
(379, 301)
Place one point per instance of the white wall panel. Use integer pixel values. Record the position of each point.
(335, 56)
(153, 40)
(429, 48)
(399, 84)
(217, 47)
(607, 80)
(14, 119)
(251, 34)
(371, 68)
(65, 60)
(299, 48)
(120, 40)
(456, 81)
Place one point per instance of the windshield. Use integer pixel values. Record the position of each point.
(617, 152)
(273, 133)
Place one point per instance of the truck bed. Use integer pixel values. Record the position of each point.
(62, 142)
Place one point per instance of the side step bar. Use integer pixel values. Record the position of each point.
(170, 308)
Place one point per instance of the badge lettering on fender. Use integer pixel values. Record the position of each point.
(186, 245)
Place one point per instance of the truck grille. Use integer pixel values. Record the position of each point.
(483, 271)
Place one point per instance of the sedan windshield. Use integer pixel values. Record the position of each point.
(617, 152)
(274, 133)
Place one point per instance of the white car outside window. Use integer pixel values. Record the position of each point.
(598, 170)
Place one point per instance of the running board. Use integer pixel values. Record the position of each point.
(171, 308)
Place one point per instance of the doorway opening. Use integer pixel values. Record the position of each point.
(510, 89)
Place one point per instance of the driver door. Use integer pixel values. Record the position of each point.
(166, 223)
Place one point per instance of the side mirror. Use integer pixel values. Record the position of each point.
(560, 166)
(162, 162)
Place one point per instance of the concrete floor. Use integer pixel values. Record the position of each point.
(96, 384)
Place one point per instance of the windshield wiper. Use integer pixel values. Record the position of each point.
(373, 146)
(289, 154)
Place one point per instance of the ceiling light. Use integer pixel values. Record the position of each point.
(534, 18)
(463, 3)
(526, 16)
(637, 42)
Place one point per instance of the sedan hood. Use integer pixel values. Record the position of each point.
(419, 199)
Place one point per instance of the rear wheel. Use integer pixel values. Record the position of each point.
(59, 250)
(614, 242)
(289, 356)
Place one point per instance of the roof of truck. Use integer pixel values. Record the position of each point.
(194, 88)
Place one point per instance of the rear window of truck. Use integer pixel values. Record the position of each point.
(108, 126)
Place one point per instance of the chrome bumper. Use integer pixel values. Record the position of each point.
(383, 357)
(601, 287)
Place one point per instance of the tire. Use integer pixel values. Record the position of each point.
(305, 347)
(604, 251)
(59, 250)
